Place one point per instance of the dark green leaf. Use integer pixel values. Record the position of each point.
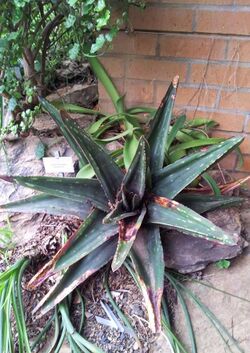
(174, 130)
(172, 179)
(77, 274)
(106, 170)
(55, 114)
(49, 204)
(91, 234)
(204, 203)
(134, 181)
(159, 127)
(171, 214)
(147, 257)
(128, 229)
(66, 188)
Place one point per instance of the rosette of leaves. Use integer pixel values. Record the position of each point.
(124, 211)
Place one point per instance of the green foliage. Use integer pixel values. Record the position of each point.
(223, 264)
(35, 36)
(11, 301)
(129, 209)
(6, 235)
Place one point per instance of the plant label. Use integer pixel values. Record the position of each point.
(58, 165)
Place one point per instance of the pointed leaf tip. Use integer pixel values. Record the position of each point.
(7, 178)
(175, 81)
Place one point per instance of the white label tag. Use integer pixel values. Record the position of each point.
(58, 165)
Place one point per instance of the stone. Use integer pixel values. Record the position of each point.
(45, 125)
(83, 95)
(18, 158)
(186, 253)
(233, 313)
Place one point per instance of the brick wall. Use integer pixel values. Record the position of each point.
(206, 42)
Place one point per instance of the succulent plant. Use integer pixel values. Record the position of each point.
(124, 211)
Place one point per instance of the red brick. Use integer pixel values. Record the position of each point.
(135, 43)
(227, 122)
(162, 19)
(246, 164)
(106, 107)
(228, 22)
(114, 66)
(239, 50)
(139, 91)
(245, 145)
(204, 2)
(221, 75)
(195, 47)
(155, 69)
(119, 83)
(238, 101)
(247, 128)
(241, 2)
(188, 96)
(195, 97)
(229, 161)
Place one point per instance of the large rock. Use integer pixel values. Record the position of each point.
(20, 159)
(81, 94)
(186, 253)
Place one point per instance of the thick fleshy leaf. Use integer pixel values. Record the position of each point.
(171, 214)
(204, 203)
(77, 274)
(118, 213)
(147, 257)
(49, 204)
(74, 189)
(89, 236)
(169, 181)
(55, 114)
(134, 182)
(128, 229)
(159, 127)
(106, 170)
(94, 233)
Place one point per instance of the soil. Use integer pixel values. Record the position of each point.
(125, 293)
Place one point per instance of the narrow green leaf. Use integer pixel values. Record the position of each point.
(211, 183)
(174, 130)
(130, 147)
(159, 127)
(196, 143)
(66, 188)
(89, 236)
(128, 229)
(204, 203)
(55, 114)
(168, 213)
(135, 179)
(72, 108)
(106, 170)
(77, 274)
(147, 257)
(49, 204)
(172, 179)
